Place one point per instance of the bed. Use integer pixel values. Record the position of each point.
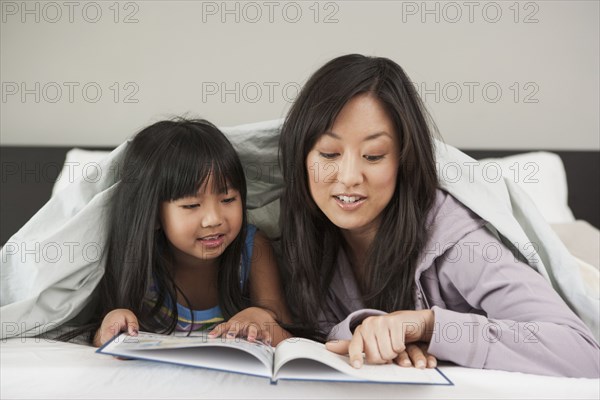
(43, 368)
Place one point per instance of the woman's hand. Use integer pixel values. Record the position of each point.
(119, 320)
(390, 338)
(416, 355)
(254, 323)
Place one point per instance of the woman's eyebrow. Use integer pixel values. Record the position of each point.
(370, 137)
(376, 135)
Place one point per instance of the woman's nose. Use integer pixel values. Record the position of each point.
(350, 171)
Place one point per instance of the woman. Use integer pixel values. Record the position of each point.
(364, 225)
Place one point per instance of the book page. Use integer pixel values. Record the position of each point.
(297, 358)
(235, 355)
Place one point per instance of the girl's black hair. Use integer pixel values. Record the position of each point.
(310, 241)
(165, 161)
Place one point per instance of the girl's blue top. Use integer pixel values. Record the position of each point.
(205, 319)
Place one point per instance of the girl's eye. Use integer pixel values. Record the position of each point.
(190, 206)
(373, 158)
(229, 200)
(329, 156)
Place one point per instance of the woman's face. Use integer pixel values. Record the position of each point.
(352, 168)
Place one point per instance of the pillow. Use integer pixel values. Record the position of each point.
(541, 175)
(583, 241)
(79, 164)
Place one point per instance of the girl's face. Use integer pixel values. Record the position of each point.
(352, 168)
(200, 227)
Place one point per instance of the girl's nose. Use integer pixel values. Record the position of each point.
(350, 171)
(211, 216)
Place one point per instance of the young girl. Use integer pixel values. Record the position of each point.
(180, 255)
(364, 214)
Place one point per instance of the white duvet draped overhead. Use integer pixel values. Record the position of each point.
(51, 266)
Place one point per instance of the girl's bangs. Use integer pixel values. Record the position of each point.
(191, 166)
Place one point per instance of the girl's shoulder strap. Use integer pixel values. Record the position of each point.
(247, 252)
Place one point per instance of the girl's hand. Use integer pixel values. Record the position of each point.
(387, 338)
(119, 320)
(253, 323)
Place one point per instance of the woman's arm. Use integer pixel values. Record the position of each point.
(501, 314)
(493, 312)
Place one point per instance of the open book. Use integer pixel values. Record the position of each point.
(294, 358)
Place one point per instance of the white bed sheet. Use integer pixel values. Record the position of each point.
(39, 368)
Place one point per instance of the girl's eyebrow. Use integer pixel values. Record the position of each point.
(201, 191)
(228, 189)
(370, 137)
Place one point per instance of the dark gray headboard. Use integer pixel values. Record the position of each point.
(28, 174)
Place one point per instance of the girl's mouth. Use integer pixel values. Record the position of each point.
(212, 240)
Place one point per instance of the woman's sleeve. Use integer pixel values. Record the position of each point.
(517, 321)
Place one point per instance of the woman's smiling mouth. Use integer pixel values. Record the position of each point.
(349, 202)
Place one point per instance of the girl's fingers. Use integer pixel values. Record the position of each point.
(132, 325)
(252, 332)
(232, 329)
(265, 336)
(113, 329)
(115, 322)
(403, 360)
(132, 330)
(417, 356)
(219, 330)
(235, 328)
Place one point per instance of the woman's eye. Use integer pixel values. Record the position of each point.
(329, 156)
(229, 200)
(190, 206)
(372, 158)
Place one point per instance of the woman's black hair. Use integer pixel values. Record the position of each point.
(165, 161)
(310, 241)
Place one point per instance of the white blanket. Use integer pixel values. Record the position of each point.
(50, 267)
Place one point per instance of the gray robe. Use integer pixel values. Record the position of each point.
(491, 309)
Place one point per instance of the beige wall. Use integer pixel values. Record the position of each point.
(500, 74)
